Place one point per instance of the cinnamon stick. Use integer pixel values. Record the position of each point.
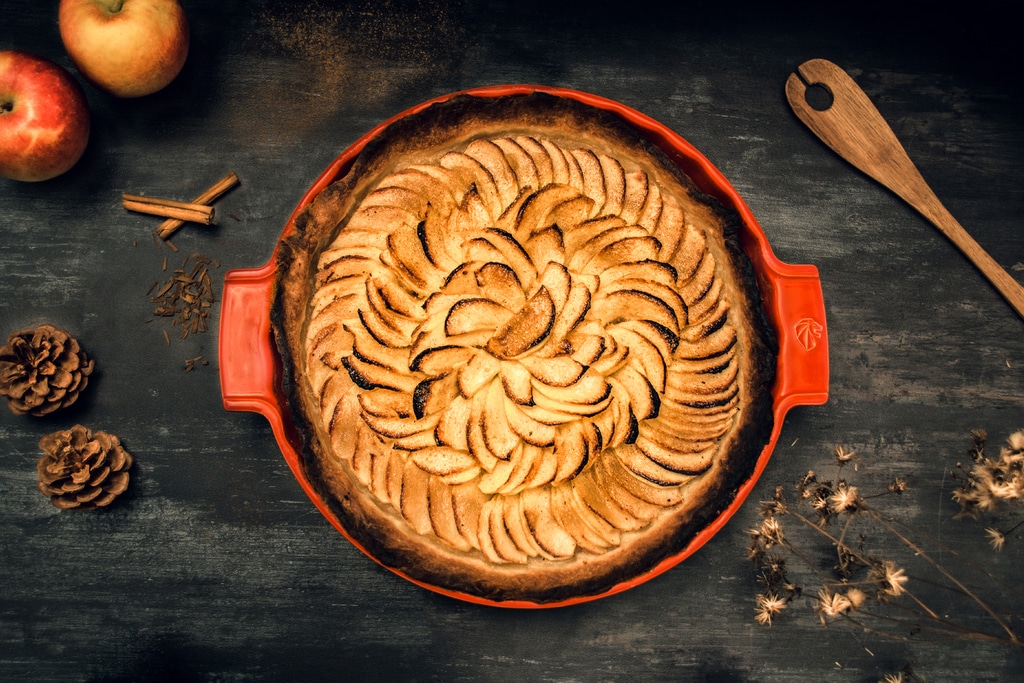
(208, 196)
(169, 208)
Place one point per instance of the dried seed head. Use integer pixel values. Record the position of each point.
(845, 499)
(996, 538)
(768, 605)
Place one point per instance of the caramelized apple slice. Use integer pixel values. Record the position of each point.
(470, 315)
(525, 329)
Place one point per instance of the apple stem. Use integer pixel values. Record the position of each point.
(116, 7)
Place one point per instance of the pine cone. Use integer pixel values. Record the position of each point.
(82, 469)
(42, 369)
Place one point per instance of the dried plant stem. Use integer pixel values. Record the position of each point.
(963, 631)
(942, 570)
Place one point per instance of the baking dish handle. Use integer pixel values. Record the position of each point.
(798, 306)
(248, 363)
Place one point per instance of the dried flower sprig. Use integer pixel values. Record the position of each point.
(875, 593)
(991, 482)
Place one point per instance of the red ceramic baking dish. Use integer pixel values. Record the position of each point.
(251, 368)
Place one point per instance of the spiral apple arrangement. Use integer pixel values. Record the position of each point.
(522, 372)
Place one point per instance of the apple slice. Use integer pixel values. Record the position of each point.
(386, 403)
(557, 371)
(441, 360)
(658, 294)
(392, 196)
(575, 444)
(475, 374)
(526, 462)
(587, 348)
(545, 529)
(590, 389)
(591, 178)
(623, 251)
(546, 247)
(499, 283)
(609, 232)
(644, 355)
(414, 501)
(510, 216)
(454, 466)
(621, 486)
(493, 159)
(572, 313)
(614, 184)
(651, 213)
(682, 463)
(477, 445)
(490, 482)
(471, 173)
(441, 505)
(562, 171)
(617, 424)
(567, 517)
(609, 535)
(598, 500)
(525, 329)
(637, 391)
(531, 431)
(472, 314)
(468, 503)
(704, 384)
(501, 440)
(386, 315)
(541, 159)
(517, 382)
(452, 427)
(634, 196)
(396, 427)
(535, 214)
(520, 161)
(518, 528)
(369, 376)
(613, 357)
(500, 540)
(661, 337)
(512, 254)
(434, 393)
(366, 348)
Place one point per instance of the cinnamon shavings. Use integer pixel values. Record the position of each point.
(186, 296)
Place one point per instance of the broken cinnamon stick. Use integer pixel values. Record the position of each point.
(208, 196)
(169, 208)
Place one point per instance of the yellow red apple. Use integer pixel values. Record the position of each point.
(128, 48)
(44, 117)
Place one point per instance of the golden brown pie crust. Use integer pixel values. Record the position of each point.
(527, 356)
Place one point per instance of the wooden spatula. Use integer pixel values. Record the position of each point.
(855, 130)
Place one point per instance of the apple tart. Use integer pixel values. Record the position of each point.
(526, 355)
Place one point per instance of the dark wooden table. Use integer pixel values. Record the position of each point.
(216, 567)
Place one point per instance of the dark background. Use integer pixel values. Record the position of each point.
(216, 567)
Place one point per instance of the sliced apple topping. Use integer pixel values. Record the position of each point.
(523, 350)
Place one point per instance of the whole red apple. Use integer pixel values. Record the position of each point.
(128, 48)
(44, 117)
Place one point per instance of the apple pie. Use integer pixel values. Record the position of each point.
(527, 357)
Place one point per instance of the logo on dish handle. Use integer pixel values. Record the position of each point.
(808, 332)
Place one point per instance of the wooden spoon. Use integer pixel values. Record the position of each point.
(855, 130)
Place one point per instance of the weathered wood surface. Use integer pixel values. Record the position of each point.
(217, 567)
